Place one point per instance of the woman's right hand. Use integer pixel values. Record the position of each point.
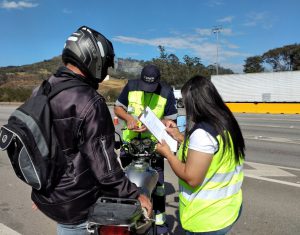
(168, 123)
(171, 127)
(173, 130)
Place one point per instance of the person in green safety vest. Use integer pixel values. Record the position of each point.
(150, 91)
(209, 162)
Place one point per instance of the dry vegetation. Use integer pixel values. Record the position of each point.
(111, 88)
(21, 88)
(112, 83)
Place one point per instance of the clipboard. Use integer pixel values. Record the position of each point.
(157, 128)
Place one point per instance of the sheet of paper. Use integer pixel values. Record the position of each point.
(157, 128)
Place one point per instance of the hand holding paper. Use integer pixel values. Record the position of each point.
(157, 128)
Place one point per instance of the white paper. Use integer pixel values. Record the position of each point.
(157, 128)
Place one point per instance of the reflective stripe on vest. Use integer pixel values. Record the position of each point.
(160, 218)
(136, 106)
(215, 203)
(160, 191)
(218, 193)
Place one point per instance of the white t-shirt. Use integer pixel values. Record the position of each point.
(202, 141)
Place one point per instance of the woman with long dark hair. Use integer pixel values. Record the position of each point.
(209, 162)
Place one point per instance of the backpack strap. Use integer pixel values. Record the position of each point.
(57, 88)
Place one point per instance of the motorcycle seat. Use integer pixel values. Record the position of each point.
(115, 211)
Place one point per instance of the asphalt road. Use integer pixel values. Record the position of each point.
(271, 188)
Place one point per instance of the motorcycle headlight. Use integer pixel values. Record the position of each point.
(147, 143)
(135, 142)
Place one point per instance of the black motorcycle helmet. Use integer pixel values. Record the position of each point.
(91, 52)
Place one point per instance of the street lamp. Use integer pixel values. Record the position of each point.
(216, 30)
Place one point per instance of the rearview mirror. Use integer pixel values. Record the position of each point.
(118, 141)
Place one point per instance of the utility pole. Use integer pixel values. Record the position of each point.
(216, 30)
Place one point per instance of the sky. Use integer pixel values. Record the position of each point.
(36, 30)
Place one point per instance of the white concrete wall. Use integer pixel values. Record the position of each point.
(259, 87)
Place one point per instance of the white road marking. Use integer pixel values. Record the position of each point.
(4, 230)
(270, 126)
(273, 139)
(290, 168)
(275, 181)
(268, 119)
(262, 171)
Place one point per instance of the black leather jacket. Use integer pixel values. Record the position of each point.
(85, 130)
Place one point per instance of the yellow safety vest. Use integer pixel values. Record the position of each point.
(136, 106)
(214, 204)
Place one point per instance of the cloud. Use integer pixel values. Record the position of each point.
(229, 54)
(177, 43)
(132, 54)
(231, 45)
(209, 32)
(259, 19)
(204, 32)
(192, 44)
(206, 51)
(238, 68)
(66, 11)
(227, 19)
(214, 3)
(17, 5)
(227, 31)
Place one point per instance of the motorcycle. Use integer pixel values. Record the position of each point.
(121, 216)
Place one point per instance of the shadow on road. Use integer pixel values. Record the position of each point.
(172, 210)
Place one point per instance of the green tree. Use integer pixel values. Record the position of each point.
(176, 73)
(284, 58)
(253, 64)
(163, 55)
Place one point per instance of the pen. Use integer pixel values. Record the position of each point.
(123, 129)
(175, 126)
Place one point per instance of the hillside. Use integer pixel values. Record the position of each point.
(17, 82)
(28, 76)
(19, 89)
(111, 89)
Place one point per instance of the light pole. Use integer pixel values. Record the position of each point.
(216, 30)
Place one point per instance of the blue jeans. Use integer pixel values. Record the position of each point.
(222, 231)
(77, 229)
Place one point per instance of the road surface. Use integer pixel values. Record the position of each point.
(271, 188)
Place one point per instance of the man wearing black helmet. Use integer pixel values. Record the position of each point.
(85, 131)
(150, 91)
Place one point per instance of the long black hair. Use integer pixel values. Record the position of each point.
(203, 103)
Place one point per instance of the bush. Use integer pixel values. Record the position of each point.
(110, 95)
(8, 94)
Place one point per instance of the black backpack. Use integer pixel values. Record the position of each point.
(30, 140)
